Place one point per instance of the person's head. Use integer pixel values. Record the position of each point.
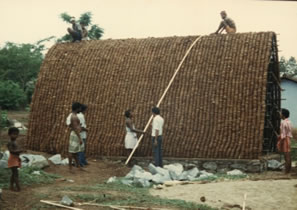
(72, 20)
(83, 108)
(76, 107)
(155, 110)
(128, 113)
(13, 133)
(223, 14)
(285, 114)
(83, 24)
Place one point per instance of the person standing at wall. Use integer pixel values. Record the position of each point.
(131, 137)
(284, 139)
(157, 133)
(75, 141)
(83, 135)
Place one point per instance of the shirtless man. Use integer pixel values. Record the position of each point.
(75, 141)
(227, 24)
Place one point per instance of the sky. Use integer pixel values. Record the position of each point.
(28, 21)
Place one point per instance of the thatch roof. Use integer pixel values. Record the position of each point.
(214, 109)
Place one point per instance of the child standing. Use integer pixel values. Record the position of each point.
(284, 140)
(14, 161)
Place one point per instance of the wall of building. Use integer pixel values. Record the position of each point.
(290, 94)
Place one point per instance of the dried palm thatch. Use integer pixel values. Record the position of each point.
(214, 109)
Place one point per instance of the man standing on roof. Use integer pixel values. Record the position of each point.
(227, 24)
(75, 31)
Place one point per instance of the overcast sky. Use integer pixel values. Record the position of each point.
(27, 21)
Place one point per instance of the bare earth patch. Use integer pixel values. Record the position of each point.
(261, 195)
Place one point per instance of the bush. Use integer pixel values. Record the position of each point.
(3, 119)
(11, 95)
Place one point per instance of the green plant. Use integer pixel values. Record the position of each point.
(11, 95)
(128, 195)
(27, 177)
(3, 119)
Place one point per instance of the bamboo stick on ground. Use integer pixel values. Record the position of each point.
(53, 203)
(118, 207)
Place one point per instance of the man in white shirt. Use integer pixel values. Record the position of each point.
(157, 132)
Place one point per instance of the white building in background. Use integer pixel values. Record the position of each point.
(289, 84)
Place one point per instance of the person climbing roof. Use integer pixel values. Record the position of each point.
(226, 24)
(75, 31)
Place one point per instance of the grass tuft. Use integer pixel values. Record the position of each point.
(26, 177)
(117, 193)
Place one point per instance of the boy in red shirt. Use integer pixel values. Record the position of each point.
(14, 161)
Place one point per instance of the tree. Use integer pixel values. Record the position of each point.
(94, 33)
(288, 67)
(20, 63)
(11, 95)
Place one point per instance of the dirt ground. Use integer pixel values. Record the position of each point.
(97, 172)
(266, 191)
(261, 195)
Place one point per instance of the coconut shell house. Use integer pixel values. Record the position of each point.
(223, 103)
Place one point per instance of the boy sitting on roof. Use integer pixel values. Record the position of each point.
(75, 31)
(227, 24)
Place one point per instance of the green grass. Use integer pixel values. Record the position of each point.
(119, 194)
(294, 148)
(26, 177)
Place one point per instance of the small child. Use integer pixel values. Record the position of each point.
(284, 140)
(14, 161)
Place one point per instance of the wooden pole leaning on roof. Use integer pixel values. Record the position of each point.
(162, 97)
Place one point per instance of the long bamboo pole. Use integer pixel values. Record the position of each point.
(162, 97)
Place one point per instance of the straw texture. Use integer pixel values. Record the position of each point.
(214, 109)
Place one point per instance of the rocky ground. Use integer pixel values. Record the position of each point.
(267, 190)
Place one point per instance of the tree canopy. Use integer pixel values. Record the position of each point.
(19, 67)
(288, 67)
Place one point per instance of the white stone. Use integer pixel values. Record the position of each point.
(193, 172)
(274, 164)
(235, 172)
(152, 169)
(5, 155)
(56, 159)
(3, 163)
(65, 162)
(177, 168)
(131, 174)
(36, 172)
(38, 161)
(112, 179)
(141, 182)
(66, 201)
(143, 175)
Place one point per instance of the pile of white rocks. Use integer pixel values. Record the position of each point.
(29, 160)
(157, 175)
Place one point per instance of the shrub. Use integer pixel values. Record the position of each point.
(11, 95)
(3, 119)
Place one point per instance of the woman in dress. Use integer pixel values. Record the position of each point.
(131, 137)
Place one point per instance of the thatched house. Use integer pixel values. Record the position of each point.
(222, 104)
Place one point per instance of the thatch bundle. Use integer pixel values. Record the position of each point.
(214, 109)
